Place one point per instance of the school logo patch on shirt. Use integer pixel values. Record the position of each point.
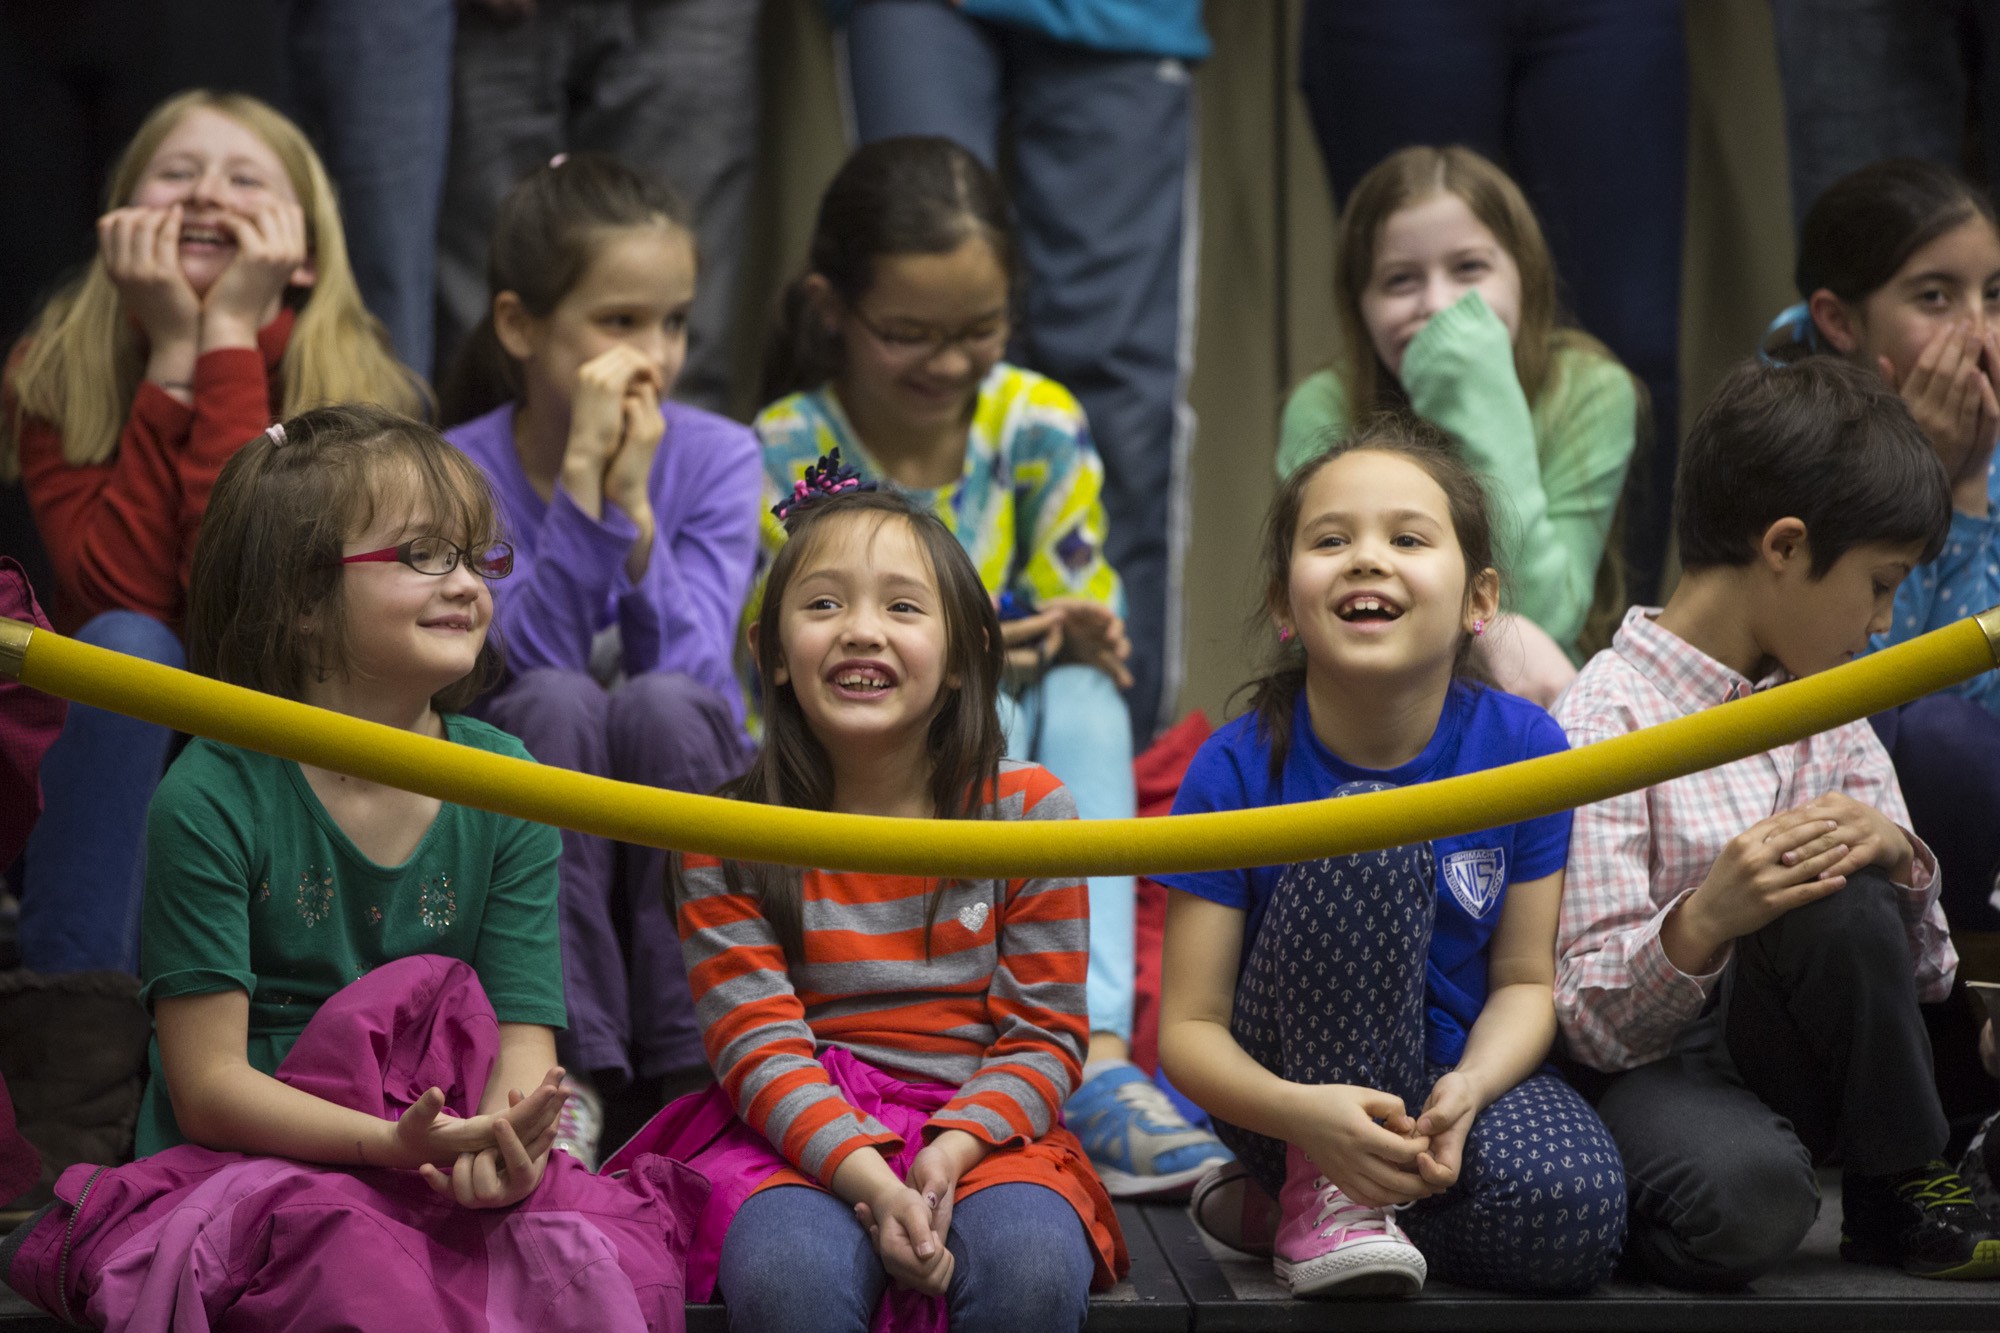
(1476, 878)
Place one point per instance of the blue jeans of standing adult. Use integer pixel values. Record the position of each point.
(1100, 150)
(1585, 103)
(372, 83)
(84, 869)
(1073, 723)
(795, 1258)
(1870, 79)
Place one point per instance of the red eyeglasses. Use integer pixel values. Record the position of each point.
(436, 556)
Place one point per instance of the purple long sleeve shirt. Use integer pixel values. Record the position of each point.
(569, 578)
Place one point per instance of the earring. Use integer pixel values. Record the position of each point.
(1478, 628)
(1284, 634)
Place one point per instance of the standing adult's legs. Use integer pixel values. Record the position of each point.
(1864, 80)
(666, 730)
(1597, 136)
(84, 868)
(923, 67)
(1103, 175)
(509, 91)
(674, 92)
(373, 83)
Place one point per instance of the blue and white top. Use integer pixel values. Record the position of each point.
(1478, 728)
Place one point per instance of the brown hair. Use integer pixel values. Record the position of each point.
(965, 741)
(84, 356)
(268, 556)
(1825, 441)
(1274, 695)
(912, 195)
(547, 232)
(1409, 177)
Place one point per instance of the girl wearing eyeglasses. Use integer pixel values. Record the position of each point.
(635, 526)
(345, 563)
(889, 349)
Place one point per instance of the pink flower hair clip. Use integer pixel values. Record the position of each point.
(822, 480)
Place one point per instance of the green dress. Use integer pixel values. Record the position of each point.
(252, 886)
(1554, 469)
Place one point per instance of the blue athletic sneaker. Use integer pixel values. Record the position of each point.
(1140, 1145)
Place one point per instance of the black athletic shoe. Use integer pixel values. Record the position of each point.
(1924, 1222)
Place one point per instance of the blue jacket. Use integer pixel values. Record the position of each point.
(1134, 27)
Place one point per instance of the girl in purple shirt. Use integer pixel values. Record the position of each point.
(634, 524)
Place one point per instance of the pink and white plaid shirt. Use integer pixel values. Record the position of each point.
(1634, 858)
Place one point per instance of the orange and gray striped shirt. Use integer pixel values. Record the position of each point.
(996, 1010)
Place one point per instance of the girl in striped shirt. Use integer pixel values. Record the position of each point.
(893, 1051)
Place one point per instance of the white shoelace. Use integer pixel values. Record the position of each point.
(1337, 1210)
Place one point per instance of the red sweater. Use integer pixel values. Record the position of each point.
(121, 533)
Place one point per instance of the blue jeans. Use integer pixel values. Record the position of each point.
(1585, 103)
(1074, 724)
(1101, 151)
(372, 80)
(795, 1258)
(1871, 79)
(84, 868)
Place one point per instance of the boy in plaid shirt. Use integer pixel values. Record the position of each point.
(1744, 950)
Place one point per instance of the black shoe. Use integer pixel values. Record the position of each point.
(1924, 1222)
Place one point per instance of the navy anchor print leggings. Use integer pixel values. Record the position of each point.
(1332, 991)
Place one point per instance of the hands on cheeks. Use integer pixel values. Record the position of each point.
(140, 248)
(1951, 393)
(484, 1161)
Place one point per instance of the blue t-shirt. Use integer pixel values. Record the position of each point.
(1122, 27)
(1478, 728)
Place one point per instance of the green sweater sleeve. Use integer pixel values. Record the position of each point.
(1315, 416)
(1555, 473)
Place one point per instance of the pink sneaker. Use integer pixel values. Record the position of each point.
(1328, 1245)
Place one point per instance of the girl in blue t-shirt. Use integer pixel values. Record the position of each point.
(1368, 1030)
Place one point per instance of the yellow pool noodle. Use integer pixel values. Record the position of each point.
(974, 848)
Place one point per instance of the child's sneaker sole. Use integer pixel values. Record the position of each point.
(1983, 1265)
(1357, 1270)
(1124, 1185)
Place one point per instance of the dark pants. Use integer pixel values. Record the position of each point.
(663, 730)
(666, 86)
(1585, 103)
(1870, 79)
(1815, 1044)
(1332, 991)
(1946, 749)
(372, 83)
(1099, 147)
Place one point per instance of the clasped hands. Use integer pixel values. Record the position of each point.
(908, 1220)
(1379, 1155)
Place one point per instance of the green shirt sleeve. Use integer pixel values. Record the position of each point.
(200, 865)
(1556, 478)
(518, 953)
(1315, 416)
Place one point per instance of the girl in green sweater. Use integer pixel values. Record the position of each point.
(1446, 297)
